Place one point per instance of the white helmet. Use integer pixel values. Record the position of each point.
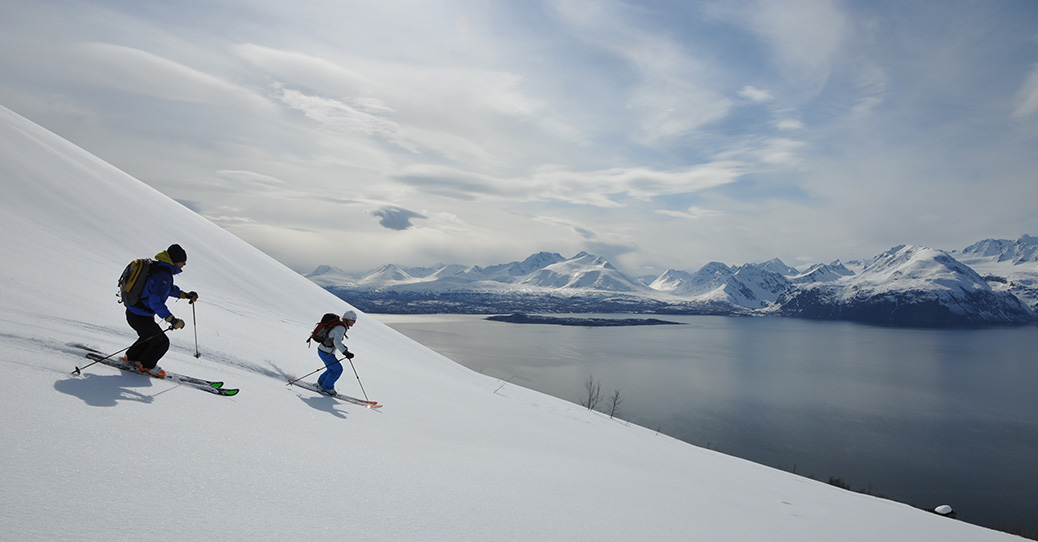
(350, 315)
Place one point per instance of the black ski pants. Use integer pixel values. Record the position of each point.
(152, 342)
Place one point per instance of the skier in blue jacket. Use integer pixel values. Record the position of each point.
(152, 342)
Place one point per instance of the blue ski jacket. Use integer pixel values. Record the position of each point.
(157, 289)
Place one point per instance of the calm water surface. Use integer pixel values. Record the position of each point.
(925, 417)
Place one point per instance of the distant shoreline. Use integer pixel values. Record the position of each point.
(522, 318)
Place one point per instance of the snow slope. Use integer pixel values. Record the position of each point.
(452, 456)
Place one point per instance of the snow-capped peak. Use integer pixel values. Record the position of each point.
(908, 285)
(916, 263)
(822, 272)
(670, 280)
(1023, 250)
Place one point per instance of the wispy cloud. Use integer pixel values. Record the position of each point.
(449, 182)
(338, 114)
(804, 36)
(304, 69)
(554, 183)
(667, 94)
(1027, 96)
(692, 213)
(789, 124)
(609, 188)
(251, 177)
(142, 72)
(755, 94)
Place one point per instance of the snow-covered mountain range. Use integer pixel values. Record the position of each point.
(994, 281)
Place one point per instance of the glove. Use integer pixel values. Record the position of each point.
(348, 354)
(193, 296)
(177, 323)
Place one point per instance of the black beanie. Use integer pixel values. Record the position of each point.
(176, 254)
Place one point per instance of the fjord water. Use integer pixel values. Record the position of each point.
(926, 417)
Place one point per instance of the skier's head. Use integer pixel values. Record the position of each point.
(176, 254)
(350, 317)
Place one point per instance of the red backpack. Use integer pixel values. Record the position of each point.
(324, 327)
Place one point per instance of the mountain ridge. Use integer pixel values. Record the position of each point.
(906, 285)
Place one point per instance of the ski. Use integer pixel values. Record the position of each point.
(204, 385)
(96, 355)
(346, 398)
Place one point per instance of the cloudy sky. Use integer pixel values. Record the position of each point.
(659, 134)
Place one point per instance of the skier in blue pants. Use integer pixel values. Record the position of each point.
(327, 349)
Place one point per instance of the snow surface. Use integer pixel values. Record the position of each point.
(452, 456)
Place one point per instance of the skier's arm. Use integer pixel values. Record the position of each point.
(161, 284)
(338, 333)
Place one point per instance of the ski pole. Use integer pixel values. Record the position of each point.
(194, 322)
(339, 361)
(359, 382)
(78, 369)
